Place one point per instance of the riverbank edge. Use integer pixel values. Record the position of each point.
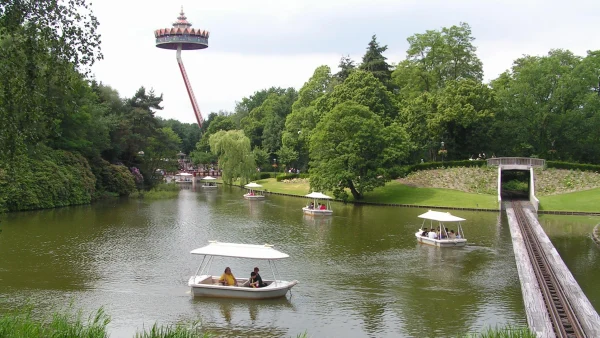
(549, 212)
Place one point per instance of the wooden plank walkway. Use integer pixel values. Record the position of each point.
(587, 315)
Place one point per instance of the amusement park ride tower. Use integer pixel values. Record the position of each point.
(183, 37)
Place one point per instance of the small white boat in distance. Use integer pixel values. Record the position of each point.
(183, 178)
(317, 208)
(253, 194)
(205, 285)
(208, 182)
(440, 236)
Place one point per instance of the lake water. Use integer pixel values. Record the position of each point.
(361, 272)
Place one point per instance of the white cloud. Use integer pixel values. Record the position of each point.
(263, 43)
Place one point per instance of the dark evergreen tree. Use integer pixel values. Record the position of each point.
(374, 61)
(346, 66)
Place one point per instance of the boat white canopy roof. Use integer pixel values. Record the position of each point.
(318, 195)
(441, 216)
(253, 251)
(253, 185)
(208, 178)
(184, 174)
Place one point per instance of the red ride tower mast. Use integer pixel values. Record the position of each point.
(183, 37)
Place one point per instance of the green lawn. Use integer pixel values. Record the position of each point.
(395, 192)
(587, 200)
(271, 184)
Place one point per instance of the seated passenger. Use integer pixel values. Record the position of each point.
(227, 278)
(253, 283)
(432, 234)
(259, 278)
(424, 232)
(323, 207)
(458, 236)
(312, 205)
(452, 235)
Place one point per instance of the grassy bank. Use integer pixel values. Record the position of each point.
(587, 200)
(558, 190)
(397, 193)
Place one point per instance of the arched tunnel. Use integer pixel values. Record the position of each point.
(515, 184)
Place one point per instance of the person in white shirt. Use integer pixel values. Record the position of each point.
(432, 234)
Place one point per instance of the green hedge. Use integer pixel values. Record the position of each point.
(573, 166)
(264, 175)
(282, 177)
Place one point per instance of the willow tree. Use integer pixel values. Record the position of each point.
(236, 160)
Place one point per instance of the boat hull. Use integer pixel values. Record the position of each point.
(200, 288)
(317, 212)
(442, 243)
(209, 187)
(254, 197)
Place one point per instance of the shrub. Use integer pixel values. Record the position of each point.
(47, 179)
(112, 178)
(289, 176)
(264, 175)
(573, 166)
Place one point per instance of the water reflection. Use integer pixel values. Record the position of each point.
(242, 317)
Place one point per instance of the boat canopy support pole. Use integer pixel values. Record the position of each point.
(199, 266)
(273, 268)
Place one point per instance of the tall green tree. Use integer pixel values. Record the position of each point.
(350, 148)
(374, 62)
(160, 153)
(461, 115)
(247, 104)
(364, 88)
(541, 98)
(41, 43)
(214, 123)
(264, 124)
(436, 57)
(346, 67)
(304, 116)
(235, 157)
(189, 133)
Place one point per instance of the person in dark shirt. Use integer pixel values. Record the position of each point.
(259, 279)
(253, 283)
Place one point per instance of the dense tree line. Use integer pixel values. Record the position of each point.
(64, 138)
(76, 140)
(352, 129)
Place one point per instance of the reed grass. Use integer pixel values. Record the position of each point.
(174, 331)
(22, 323)
(161, 191)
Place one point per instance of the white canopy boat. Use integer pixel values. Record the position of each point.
(440, 236)
(316, 208)
(206, 285)
(253, 194)
(208, 182)
(183, 178)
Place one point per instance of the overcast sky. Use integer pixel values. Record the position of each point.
(262, 43)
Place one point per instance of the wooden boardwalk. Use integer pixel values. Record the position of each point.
(537, 314)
